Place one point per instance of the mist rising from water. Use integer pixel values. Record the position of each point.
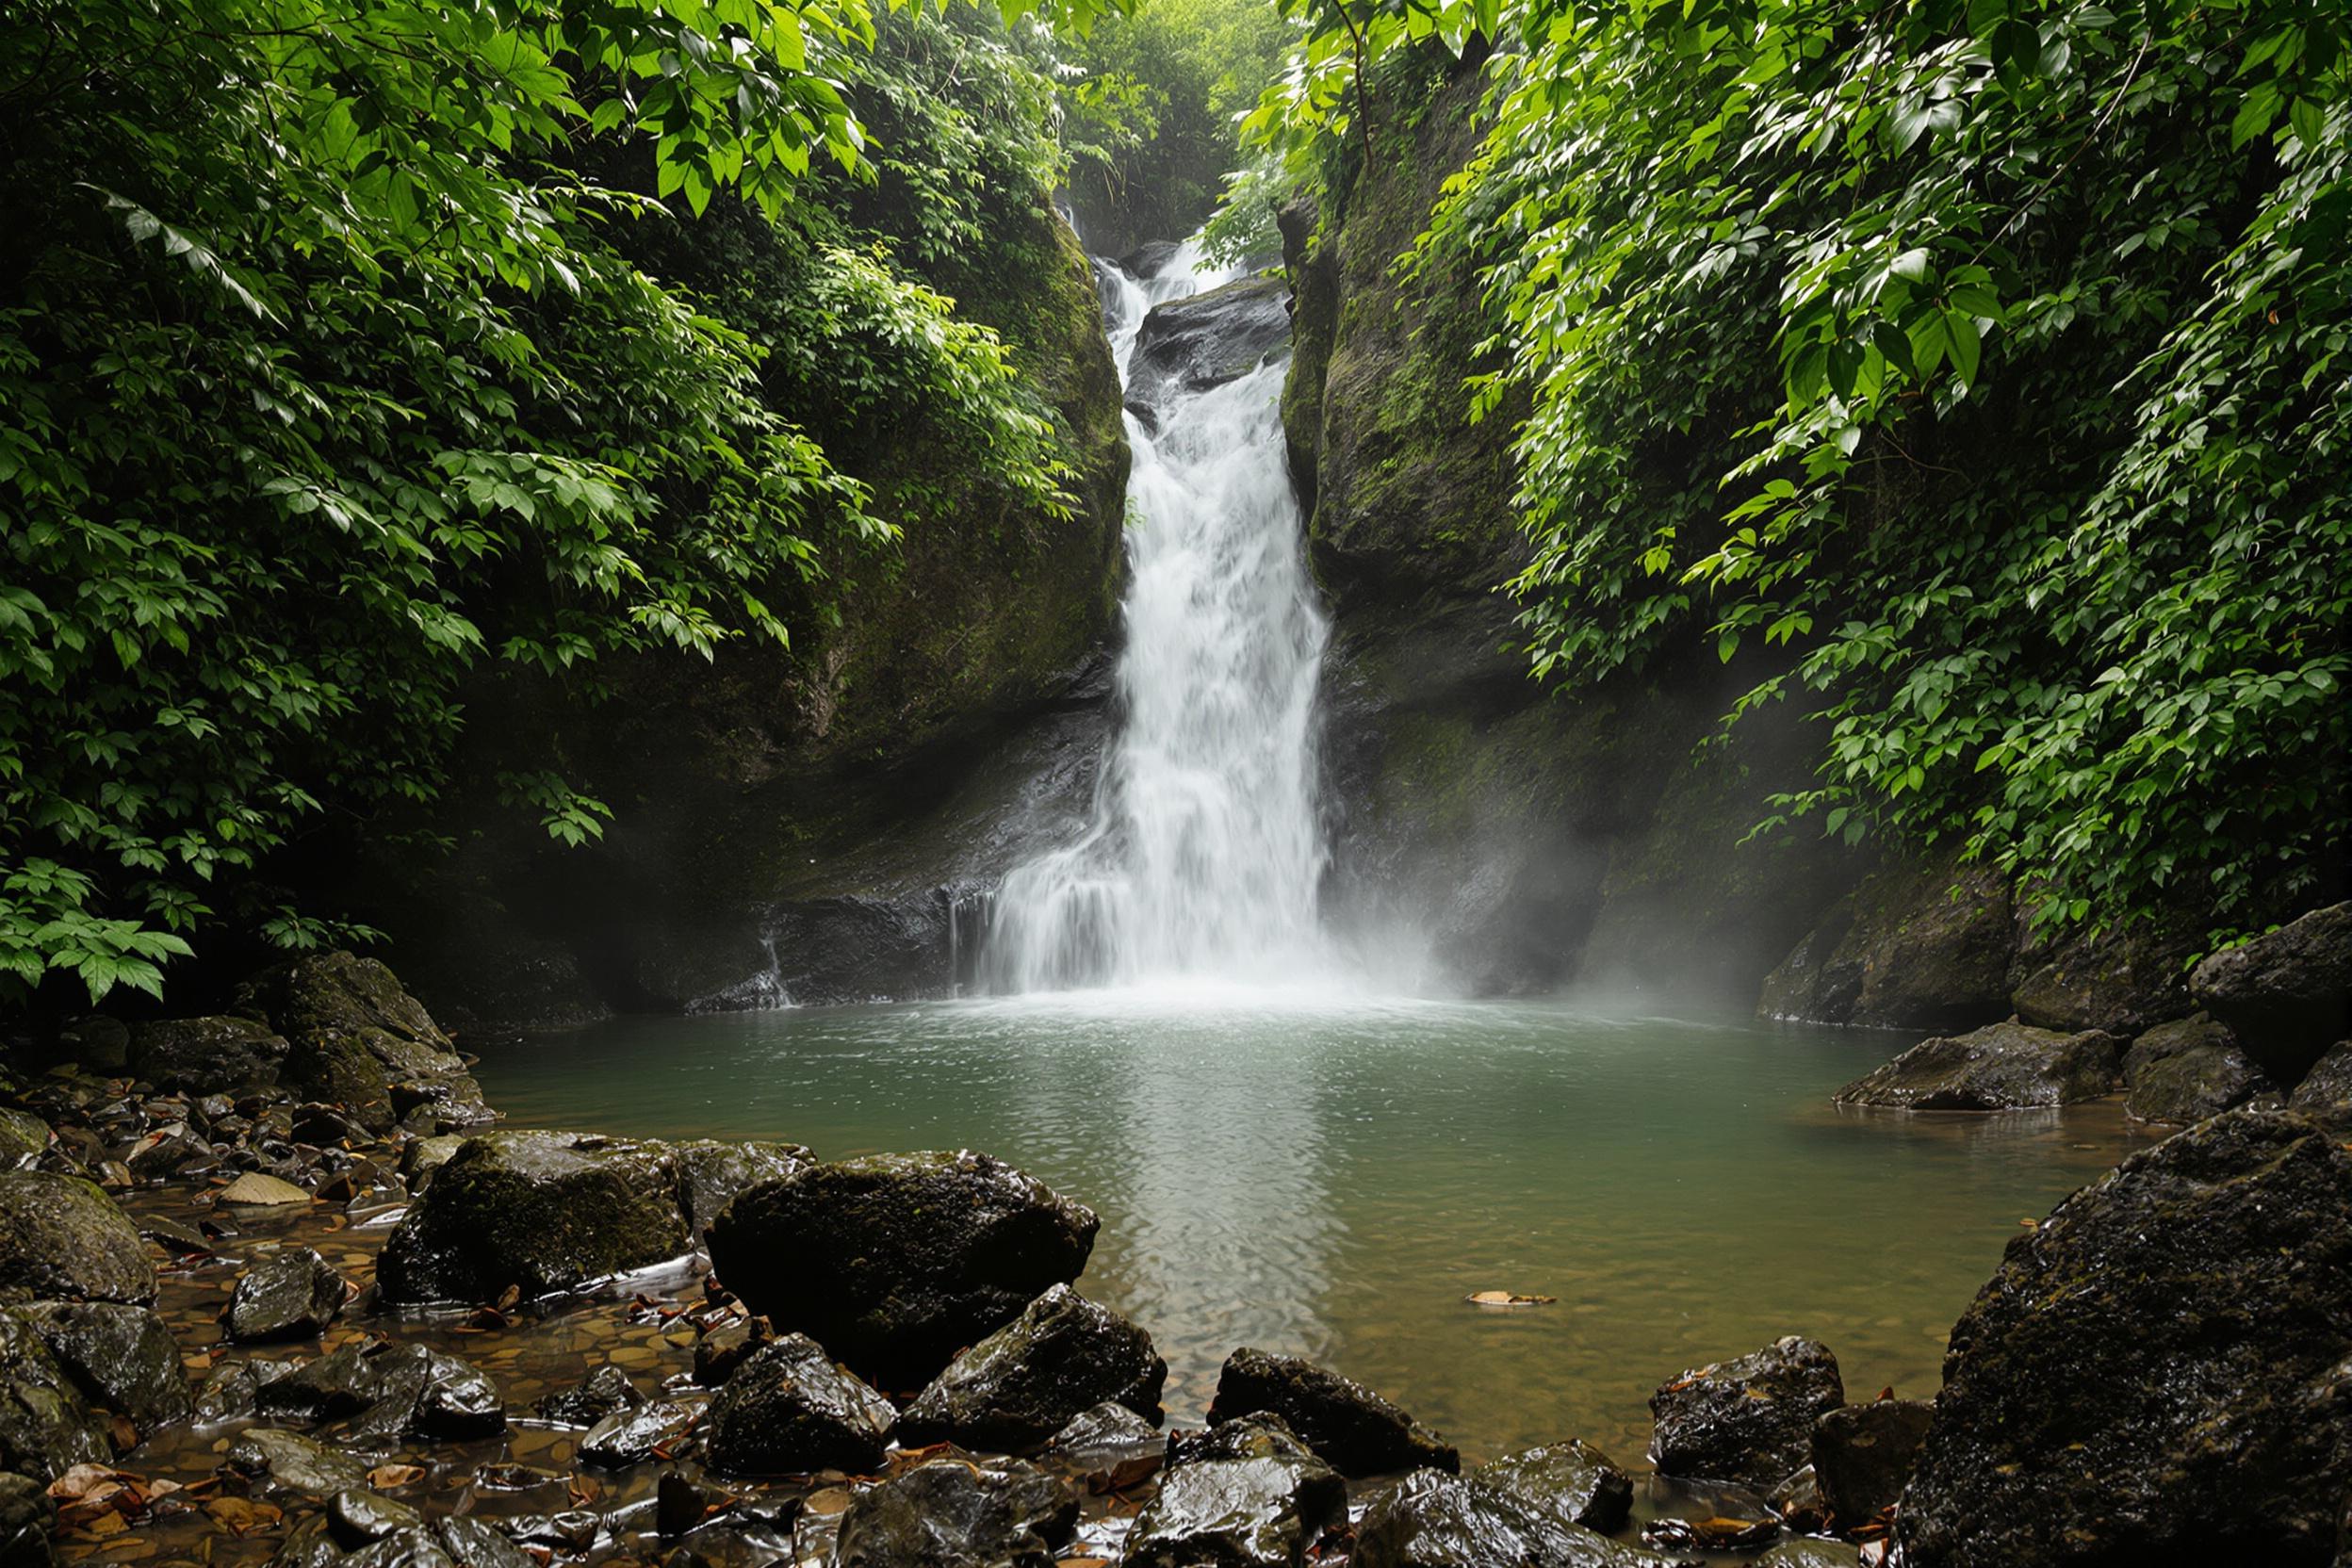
(1205, 847)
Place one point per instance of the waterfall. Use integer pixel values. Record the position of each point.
(1205, 849)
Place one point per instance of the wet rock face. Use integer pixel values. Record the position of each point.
(788, 1409)
(1238, 1513)
(1862, 1454)
(1570, 1482)
(1354, 1430)
(206, 1056)
(2003, 1066)
(542, 1211)
(22, 1138)
(2158, 1373)
(605, 1392)
(712, 1175)
(1024, 1382)
(2190, 1086)
(25, 1512)
(121, 1357)
(638, 1433)
(292, 1294)
(953, 1514)
(1431, 1520)
(1107, 1430)
(358, 1040)
(1922, 945)
(2286, 996)
(2325, 1094)
(388, 1392)
(2124, 981)
(1749, 1420)
(46, 1427)
(1193, 344)
(897, 1262)
(64, 1240)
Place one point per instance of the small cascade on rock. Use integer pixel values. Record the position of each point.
(1205, 848)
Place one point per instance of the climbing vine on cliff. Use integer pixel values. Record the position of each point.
(326, 377)
(1985, 359)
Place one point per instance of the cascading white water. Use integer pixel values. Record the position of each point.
(1204, 850)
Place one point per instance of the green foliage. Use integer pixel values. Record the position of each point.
(328, 378)
(1149, 120)
(1983, 361)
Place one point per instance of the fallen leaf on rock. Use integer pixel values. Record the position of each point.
(831, 1500)
(389, 1476)
(83, 1479)
(1127, 1473)
(102, 1525)
(242, 1515)
(1504, 1299)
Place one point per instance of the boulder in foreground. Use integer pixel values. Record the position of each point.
(788, 1409)
(1431, 1520)
(1748, 1420)
(542, 1211)
(63, 1239)
(1017, 1388)
(897, 1262)
(2002, 1067)
(1572, 1483)
(1261, 1513)
(1355, 1431)
(2161, 1372)
(951, 1513)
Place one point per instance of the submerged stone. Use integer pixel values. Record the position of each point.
(296, 1464)
(1354, 1430)
(1017, 1387)
(897, 1262)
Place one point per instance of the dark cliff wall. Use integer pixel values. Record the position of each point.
(1532, 837)
(791, 819)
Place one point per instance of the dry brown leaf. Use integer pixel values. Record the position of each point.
(389, 1476)
(1506, 1299)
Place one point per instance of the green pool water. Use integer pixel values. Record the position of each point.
(1332, 1177)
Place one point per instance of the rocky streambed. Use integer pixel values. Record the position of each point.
(275, 1292)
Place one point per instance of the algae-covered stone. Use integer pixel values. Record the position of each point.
(22, 1138)
(2287, 996)
(2190, 1086)
(1024, 1382)
(2156, 1372)
(296, 1464)
(1862, 1455)
(206, 1056)
(540, 1212)
(1572, 1483)
(63, 1239)
(950, 1513)
(897, 1262)
(788, 1409)
(2003, 1066)
(26, 1517)
(712, 1175)
(1748, 1420)
(290, 1294)
(1353, 1428)
(2325, 1094)
(47, 1427)
(120, 1356)
(356, 1039)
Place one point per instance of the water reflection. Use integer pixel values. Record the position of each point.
(1333, 1178)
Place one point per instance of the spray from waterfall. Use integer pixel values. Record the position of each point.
(1204, 850)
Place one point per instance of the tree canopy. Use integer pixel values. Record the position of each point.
(332, 370)
(1985, 359)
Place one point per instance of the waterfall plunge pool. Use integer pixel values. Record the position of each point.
(1330, 1177)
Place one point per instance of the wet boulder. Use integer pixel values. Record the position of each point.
(23, 1140)
(2286, 996)
(358, 1040)
(1862, 1455)
(387, 1392)
(540, 1212)
(1017, 1387)
(206, 1056)
(1261, 1434)
(1571, 1482)
(950, 1513)
(1748, 1420)
(638, 1433)
(2190, 1086)
(2002, 1067)
(1812, 1554)
(64, 1240)
(47, 1427)
(2158, 1372)
(1431, 1520)
(472, 1543)
(289, 1295)
(712, 1175)
(604, 1392)
(358, 1515)
(1922, 944)
(788, 1409)
(26, 1517)
(121, 1357)
(1238, 1513)
(1106, 1432)
(2325, 1094)
(1354, 1430)
(414, 1547)
(292, 1462)
(897, 1262)
(1190, 344)
(2125, 979)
